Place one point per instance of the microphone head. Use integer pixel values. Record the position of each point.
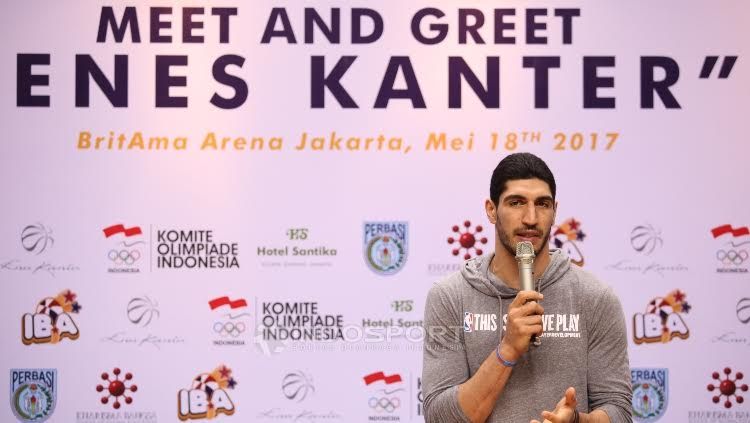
(525, 249)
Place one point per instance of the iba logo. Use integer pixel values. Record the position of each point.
(650, 393)
(387, 399)
(566, 237)
(125, 250)
(386, 245)
(33, 394)
(732, 254)
(662, 320)
(51, 321)
(207, 397)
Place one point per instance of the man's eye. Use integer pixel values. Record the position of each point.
(515, 203)
(545, 205)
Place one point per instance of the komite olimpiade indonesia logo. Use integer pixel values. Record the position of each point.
(384, 397)
(125, 252)
(33, 394)
(650, 393)
(732, 254)
(386, 246)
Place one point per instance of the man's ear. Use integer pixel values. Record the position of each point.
(554, 213)
(491, 210)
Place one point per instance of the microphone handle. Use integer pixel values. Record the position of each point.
(527, 284)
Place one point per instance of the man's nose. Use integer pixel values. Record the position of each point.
(529, 215)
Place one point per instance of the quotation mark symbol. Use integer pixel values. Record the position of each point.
(726, 66)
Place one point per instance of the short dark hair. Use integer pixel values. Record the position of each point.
(519, 166)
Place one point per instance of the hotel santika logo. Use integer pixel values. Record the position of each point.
(301, 248)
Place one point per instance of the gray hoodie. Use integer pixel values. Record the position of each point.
(584, 344)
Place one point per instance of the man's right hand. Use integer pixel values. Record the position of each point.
(524, 320)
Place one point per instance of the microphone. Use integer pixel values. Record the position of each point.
(525, 258)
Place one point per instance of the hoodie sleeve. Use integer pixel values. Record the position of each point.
(445, 363)
(609, 387)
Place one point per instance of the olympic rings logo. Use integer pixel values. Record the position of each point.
(229, 329)
(124, 256)
(389, 405)
(732, 256)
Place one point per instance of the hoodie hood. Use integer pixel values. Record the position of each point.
(476, 272)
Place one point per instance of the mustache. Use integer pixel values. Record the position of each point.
(529, 232)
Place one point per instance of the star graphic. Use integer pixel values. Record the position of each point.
(574, 224)
(232, 383)
(224, 372)
(69, 296)
(679, 296)
(76, 307)
(581, 235)
(686, 308)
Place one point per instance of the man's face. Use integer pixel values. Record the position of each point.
(525, 212)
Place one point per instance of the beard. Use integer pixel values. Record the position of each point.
(505, 238)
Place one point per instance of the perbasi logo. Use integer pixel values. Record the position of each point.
(650, 393)
(33, 394)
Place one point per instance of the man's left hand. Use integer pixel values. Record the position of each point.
(564, 411)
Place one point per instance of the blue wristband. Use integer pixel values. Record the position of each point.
(503, 361)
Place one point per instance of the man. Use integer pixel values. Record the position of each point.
(479, 367)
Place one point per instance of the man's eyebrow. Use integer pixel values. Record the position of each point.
(545, 198)
(521, 197)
